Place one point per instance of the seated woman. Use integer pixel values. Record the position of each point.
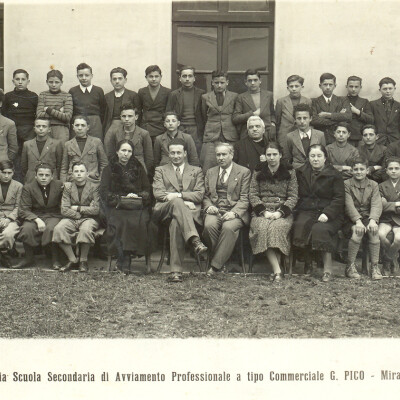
(122, 179)
(273, 195)
(320, 209)
(9, 200)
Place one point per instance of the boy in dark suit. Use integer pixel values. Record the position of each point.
(329, 109)
(89, 100)
(386, 112)
(153, 102)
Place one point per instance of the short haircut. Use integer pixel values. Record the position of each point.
(368, 126)
(152, 68)
(224, 144)
(354, 78)
(79, 162)
(84, 117)
(177, 142)
(43, 165)
(83, 66)
(317, 146)
(129, 106)
(302, 107)
(252, 72)
(119, 70)
(55, 73)
(253, 118)
(343, 125)
(295, 78)
(274, 145)
(125, 141)
(186, 67)
(6, 164)
(219, 74)
(42, 119)
(21, 71)
(2, 95)
(359, 160)
(392, 159)
(327, 75)
(386, 81)
(171, 113)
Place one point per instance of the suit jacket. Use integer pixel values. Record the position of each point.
(360, 204)
(237, 190)
(390, 195)
(165, 180)
(89, 203)
(8, 139)
(358, 121)
(219, 118)
(393, 150)
(9, 205)
(285, 122)
(387, 128)
(245, 107)
(129, 97)
(175, 103)
(152, 111)
(51, 154)
(247, 153)
(32, 205)
(93, 156)
(293, 150)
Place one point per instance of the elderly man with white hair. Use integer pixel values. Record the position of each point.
(249, 150)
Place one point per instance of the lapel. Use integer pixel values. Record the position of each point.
(228, 99)
(34, 149)
(288, 105)
(46, 148)
(186, 177)
(10, 192)
(88, 146)
(232, 180)
(381, 109)
(394, 112)
(110, 101)
(213, 180)
(180, 99)
(170, 174)
(52, 193)
(148, 95)
(324, 106)
(334, 102)
(249, 100)
(37, 194)
(263, 100)
(75, 147)
(356, 192)
(298, 143)
(75, 193)
(213, 100)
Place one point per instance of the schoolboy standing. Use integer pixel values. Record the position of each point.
(89, 100)
(153, 102)
(386, 112)
(117, 98)
(8, 136)
(329, 109)
(186, 102)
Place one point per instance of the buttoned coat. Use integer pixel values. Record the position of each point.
(390, 195)
(51, 154)
(165, 180)
(358, 121)
(8, 139)
(388, 129)
(9, 205)
(238, 186)
(93, 156)
(247, 154)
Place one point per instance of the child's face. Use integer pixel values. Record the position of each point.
(393, 170)
(85, 77)
(79, 174)
(295, 89)
(353, 88)
(253, 83)
(21, 81)
(359, 172)
(171, 123)
(341, 135)
(303, 120)
(220, 84)
(6, 175)
(42, 128)
(118, 81)
(327, 87)
(369, 136)
(128, 118)
(187, 78)
(154, 78)
(54, 84)
(387, 90)
(80, 127)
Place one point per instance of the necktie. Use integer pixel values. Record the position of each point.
(223, 176)
(329, 102)
(179, 178)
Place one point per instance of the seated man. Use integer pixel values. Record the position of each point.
(225, 204)
(179, 189)
(39, 209)
(79, 207)
(251, 150)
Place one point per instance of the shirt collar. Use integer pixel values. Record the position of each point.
(384, 101)
(228, 170)
(181, 168)
(89, 88)
(327, 98)
(117, 94)
(308, 133)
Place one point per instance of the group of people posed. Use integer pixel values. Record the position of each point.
(202, 165)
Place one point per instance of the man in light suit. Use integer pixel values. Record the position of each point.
(217, 108)
(225, 205)
(118, 97)
(179, 189)
(255, 101)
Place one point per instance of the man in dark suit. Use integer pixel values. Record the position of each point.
(225, 205)
(179, 189)
(39, 209)
(256, 102)
(386, 112)
(153, 102)
(329, 109)
(186, 102)
(249, 150)
(118, 97)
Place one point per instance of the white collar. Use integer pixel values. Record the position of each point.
(88, 88)
(302, 134)
(228, 171)
(119, 94)
(327, 98)
(181, 168)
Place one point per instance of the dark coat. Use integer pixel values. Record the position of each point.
(247, 154)
(358, 121)
(387, 128)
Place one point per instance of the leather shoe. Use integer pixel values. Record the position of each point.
(212, 271)
(277, 277)
(23, 264)
(83, 266)
(175, 277)
(56, 266)
(67, 267)
(198, 247)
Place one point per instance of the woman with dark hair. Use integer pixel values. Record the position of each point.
(125, 201)
(273, 195)
(320, 209)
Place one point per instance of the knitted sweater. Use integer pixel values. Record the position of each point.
(54, 102)
(20, 106)
(92, 103)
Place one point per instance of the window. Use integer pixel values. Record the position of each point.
(232, 36)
